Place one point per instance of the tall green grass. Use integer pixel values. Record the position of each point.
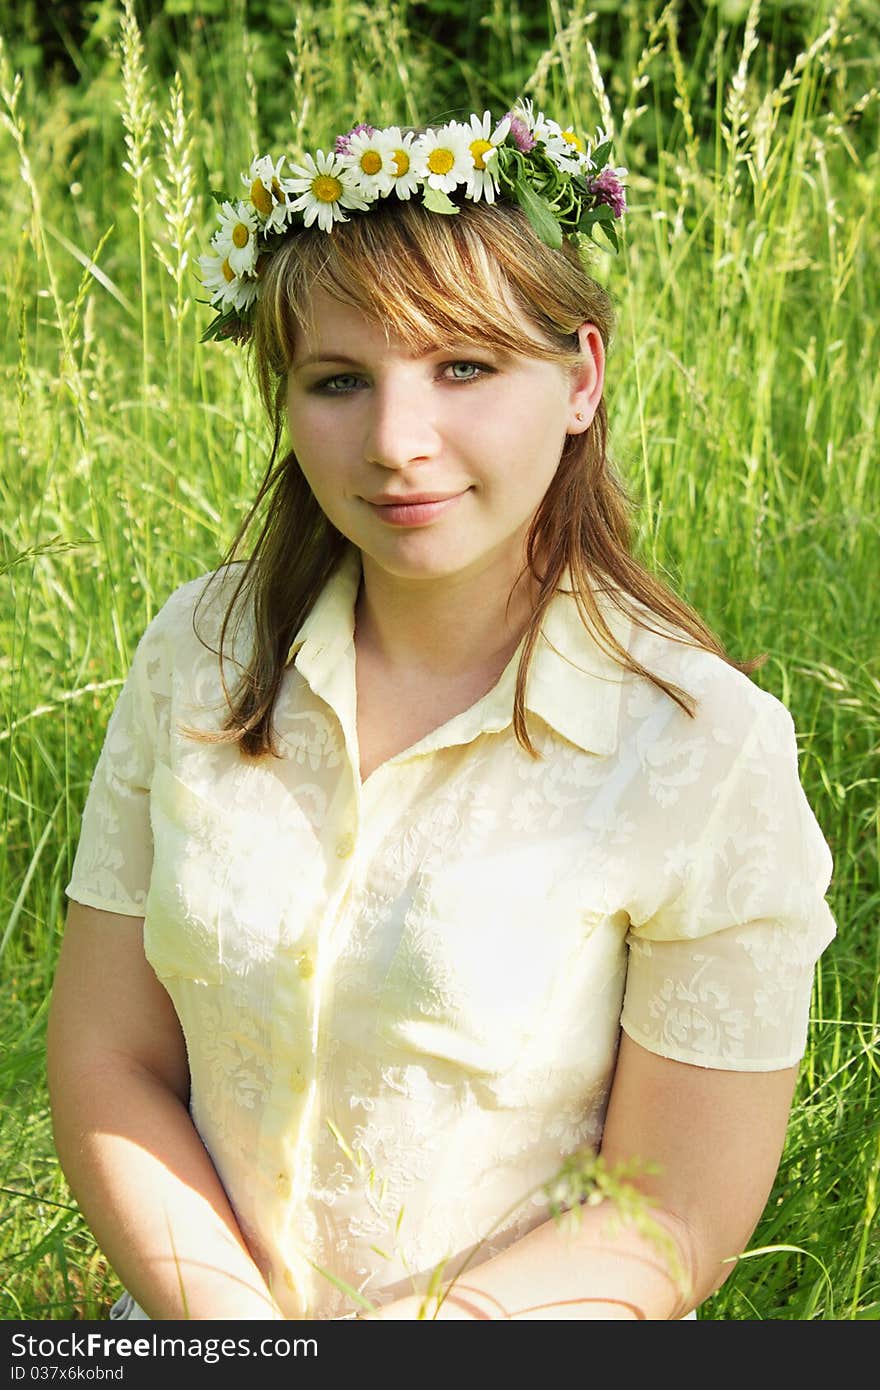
(743, 399)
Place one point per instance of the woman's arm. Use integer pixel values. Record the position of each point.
(716, 1137)
(118, 1087)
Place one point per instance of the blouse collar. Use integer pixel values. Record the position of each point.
(573, 685)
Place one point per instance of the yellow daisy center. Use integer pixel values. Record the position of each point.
(241, 234)
(401, 161)
(278, 192)
(572, 139)
(228, 272)
(327, 189)
(261, 197)
(478, 149)
(371, 162)
(440, 161)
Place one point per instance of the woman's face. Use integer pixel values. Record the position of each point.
(432, 465)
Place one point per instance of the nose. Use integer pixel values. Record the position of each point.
(400, 429)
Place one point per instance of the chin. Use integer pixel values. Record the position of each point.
(414, 558)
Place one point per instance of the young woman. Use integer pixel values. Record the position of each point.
(438, 846)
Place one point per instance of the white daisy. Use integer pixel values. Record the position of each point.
(565, 148)
(371, 163)
(325, 187)
(227, 290)
(541, 128)
(404, 178)
(442, 158)
(482, 180)
(236, 237)
(524, 108)
(265, 192)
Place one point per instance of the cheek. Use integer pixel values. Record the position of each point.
(311, 465)
(531, 448)
(317, 447)
(322, 481)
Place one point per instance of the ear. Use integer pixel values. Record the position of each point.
(587, 380)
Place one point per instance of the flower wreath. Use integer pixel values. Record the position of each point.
(564, 185)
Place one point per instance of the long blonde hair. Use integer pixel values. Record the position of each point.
(426, 278)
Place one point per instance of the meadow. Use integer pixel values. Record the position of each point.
(743, 400)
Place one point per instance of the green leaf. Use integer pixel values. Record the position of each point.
(218, 197)
(433, 1291)
(352, 1293)
(600, 213)
(872, 1311)
(539, 213)
(334, 1130)
(215, 327)
(607, 228)
(435, 200)
(600, 154)
(229, 325)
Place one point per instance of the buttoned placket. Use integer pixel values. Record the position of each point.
(305, 982)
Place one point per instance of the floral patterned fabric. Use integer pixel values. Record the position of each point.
(402, 999)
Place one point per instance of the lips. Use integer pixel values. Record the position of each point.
(415, 509)
(411, 499)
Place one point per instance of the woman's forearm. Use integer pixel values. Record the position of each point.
(707, 1143)
(596, 1268)
(149, 1192)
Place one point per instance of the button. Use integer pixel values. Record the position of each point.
(305, 964)
(344, 846)
(282, 1184)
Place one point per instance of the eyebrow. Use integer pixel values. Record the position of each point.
(326, 357)
(340, 357)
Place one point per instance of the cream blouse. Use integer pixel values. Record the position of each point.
(402, 999)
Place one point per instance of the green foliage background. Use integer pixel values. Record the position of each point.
(743, 398)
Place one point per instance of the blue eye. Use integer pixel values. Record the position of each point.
(330, 386)
(477, 368)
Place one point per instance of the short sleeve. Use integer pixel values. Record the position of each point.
(720, 975)
(113, 861)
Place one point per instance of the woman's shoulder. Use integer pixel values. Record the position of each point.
(177, 655)
(728, 704)
(197, 605)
